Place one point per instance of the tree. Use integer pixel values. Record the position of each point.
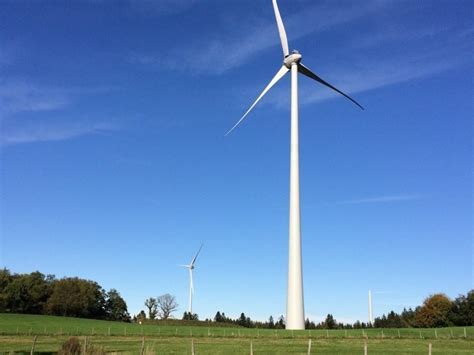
(281, 323)
(190, 316)
(218, 317)
(76, 298)
(26, 293)
(408, 318)
(166, 305)
(330, 323)
(271, 323)
(462, 310)
(242, 321)
(141, 316)
(434, 311)
(115, 307)
(151, 304)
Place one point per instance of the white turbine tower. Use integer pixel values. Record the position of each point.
(292, 62)
(190, 267)
(371, 318)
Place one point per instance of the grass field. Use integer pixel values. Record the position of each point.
(17, 333)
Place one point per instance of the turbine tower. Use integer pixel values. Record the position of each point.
(292, 62)
(371, 318)
(190, 267)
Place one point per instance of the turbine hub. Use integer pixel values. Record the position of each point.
(294, 57)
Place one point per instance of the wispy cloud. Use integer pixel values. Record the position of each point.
(18, 95)
(42, 132)
(161, 7)
(381, 199)
(248, 38)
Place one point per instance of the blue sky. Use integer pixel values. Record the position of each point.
(114, 164)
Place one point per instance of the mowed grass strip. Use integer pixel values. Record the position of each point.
(177, 345)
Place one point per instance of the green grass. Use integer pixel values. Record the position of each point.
(17, 333)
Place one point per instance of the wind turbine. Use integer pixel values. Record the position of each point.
(292, 62)
(371, 317)
(190, 267)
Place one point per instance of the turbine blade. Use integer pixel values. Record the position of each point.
(195, 257)
(305, 71)
(281, 29)
(184, 265)
(281, 73)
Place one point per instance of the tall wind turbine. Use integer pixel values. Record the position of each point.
(292, 62)
(190, 267)
(371, 317)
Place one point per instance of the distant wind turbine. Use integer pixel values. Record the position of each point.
(190, 267)
(292, 62)
(371, 317)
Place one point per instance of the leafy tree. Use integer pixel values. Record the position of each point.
(76, 298)
(27, 293)
(152, 305)
(462, 311)
(434, 311)
(166, 305)
(115, 307)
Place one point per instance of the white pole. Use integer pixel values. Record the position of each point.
(190, 305)
(429, 348)
(371, 318)
(309, 347)
(295, 303)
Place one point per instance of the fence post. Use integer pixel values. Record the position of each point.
(143, 346)
(420, 334)
(345, 333)
(251, 347)
(208, 332)
(309, 347)
(108, 332)
(33, 346)
(398, 333)
(365, 347)
(429, 349)
(176, 331)
(451, 331)
(85, 346)
(192, 346)
(465, 336)
(436, 334)
(327, 333)
(382, 334)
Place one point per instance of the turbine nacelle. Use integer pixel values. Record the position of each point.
(294, 57)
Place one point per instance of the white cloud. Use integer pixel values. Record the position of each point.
(34, 133)
(381, 199)
(162, 7)
(248, 38)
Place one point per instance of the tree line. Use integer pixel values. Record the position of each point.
(437, 310)
(36, 293)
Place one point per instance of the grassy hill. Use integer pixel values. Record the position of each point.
(18, 330)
